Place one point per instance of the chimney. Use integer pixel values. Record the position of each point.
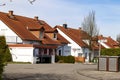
(80, 28)
(10, 13)
(65, 26)
(101, 35)
(36, 18)
(109, 36)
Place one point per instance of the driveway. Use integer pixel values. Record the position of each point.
(57, 72)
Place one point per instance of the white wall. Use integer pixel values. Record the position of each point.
(65, 50)
(101, 42)
(7, 32)
(86, 53)
(22, 54)
(75, 48)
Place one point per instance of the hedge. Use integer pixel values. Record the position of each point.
(110, 52)
(5, 55)
(65, 59)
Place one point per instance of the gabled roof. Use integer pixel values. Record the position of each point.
(62, 39)
(48, 40)
(109, 41)
(75, 34)
(18, 25)
(22, 25)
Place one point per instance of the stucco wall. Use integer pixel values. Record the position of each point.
(22, 54)
(75, 48)
(65, 50)
(7, 32)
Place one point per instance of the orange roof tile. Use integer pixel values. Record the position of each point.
(31, 45)
(48, 40)
(17, 26)
(75, 34)
(21, 26)
(109, 41)
(62, 39)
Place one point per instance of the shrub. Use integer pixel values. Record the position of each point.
(65, 59)
(4, 54)
(110, 52)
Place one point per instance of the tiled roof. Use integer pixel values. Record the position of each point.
(21, 26)
(109, 41)
(75, 34)
(48, 40)
(18, 27)
(62, 39)
(31, 45)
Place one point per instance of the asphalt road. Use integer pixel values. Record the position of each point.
(57, 72)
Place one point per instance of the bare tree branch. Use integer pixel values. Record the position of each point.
(118, 39)
(31, 1)
(2, 4)
(10, 0)
(90, 27)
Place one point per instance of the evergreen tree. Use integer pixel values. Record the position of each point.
(5, 55)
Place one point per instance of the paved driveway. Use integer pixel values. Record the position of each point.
(57, 72)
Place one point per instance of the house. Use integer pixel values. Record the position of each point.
(107, 42)
(30, 39)
(77, 46)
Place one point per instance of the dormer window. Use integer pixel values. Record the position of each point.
(54, 36)
(41, 33)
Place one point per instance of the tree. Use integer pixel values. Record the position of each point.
(90, 27)
(31, 2)
(5, 55)
(118, 38)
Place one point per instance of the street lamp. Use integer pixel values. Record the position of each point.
(99, 47)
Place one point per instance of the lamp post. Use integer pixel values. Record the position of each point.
(99, 47)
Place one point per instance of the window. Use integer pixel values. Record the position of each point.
(60, 53)
(45, 51)
(85, 55)
(80, 54)
(41, 34)
(55, 36)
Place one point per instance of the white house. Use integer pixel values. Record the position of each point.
(77, 46)
(30, 39)
(107, 42)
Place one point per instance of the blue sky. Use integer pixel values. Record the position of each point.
(72, 12)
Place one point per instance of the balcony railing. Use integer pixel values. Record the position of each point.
(13, 39)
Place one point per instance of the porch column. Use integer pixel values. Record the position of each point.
(53, 56)
(53, 52)
(47, 51)
(42, 52)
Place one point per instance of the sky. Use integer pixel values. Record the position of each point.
(72, 12)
